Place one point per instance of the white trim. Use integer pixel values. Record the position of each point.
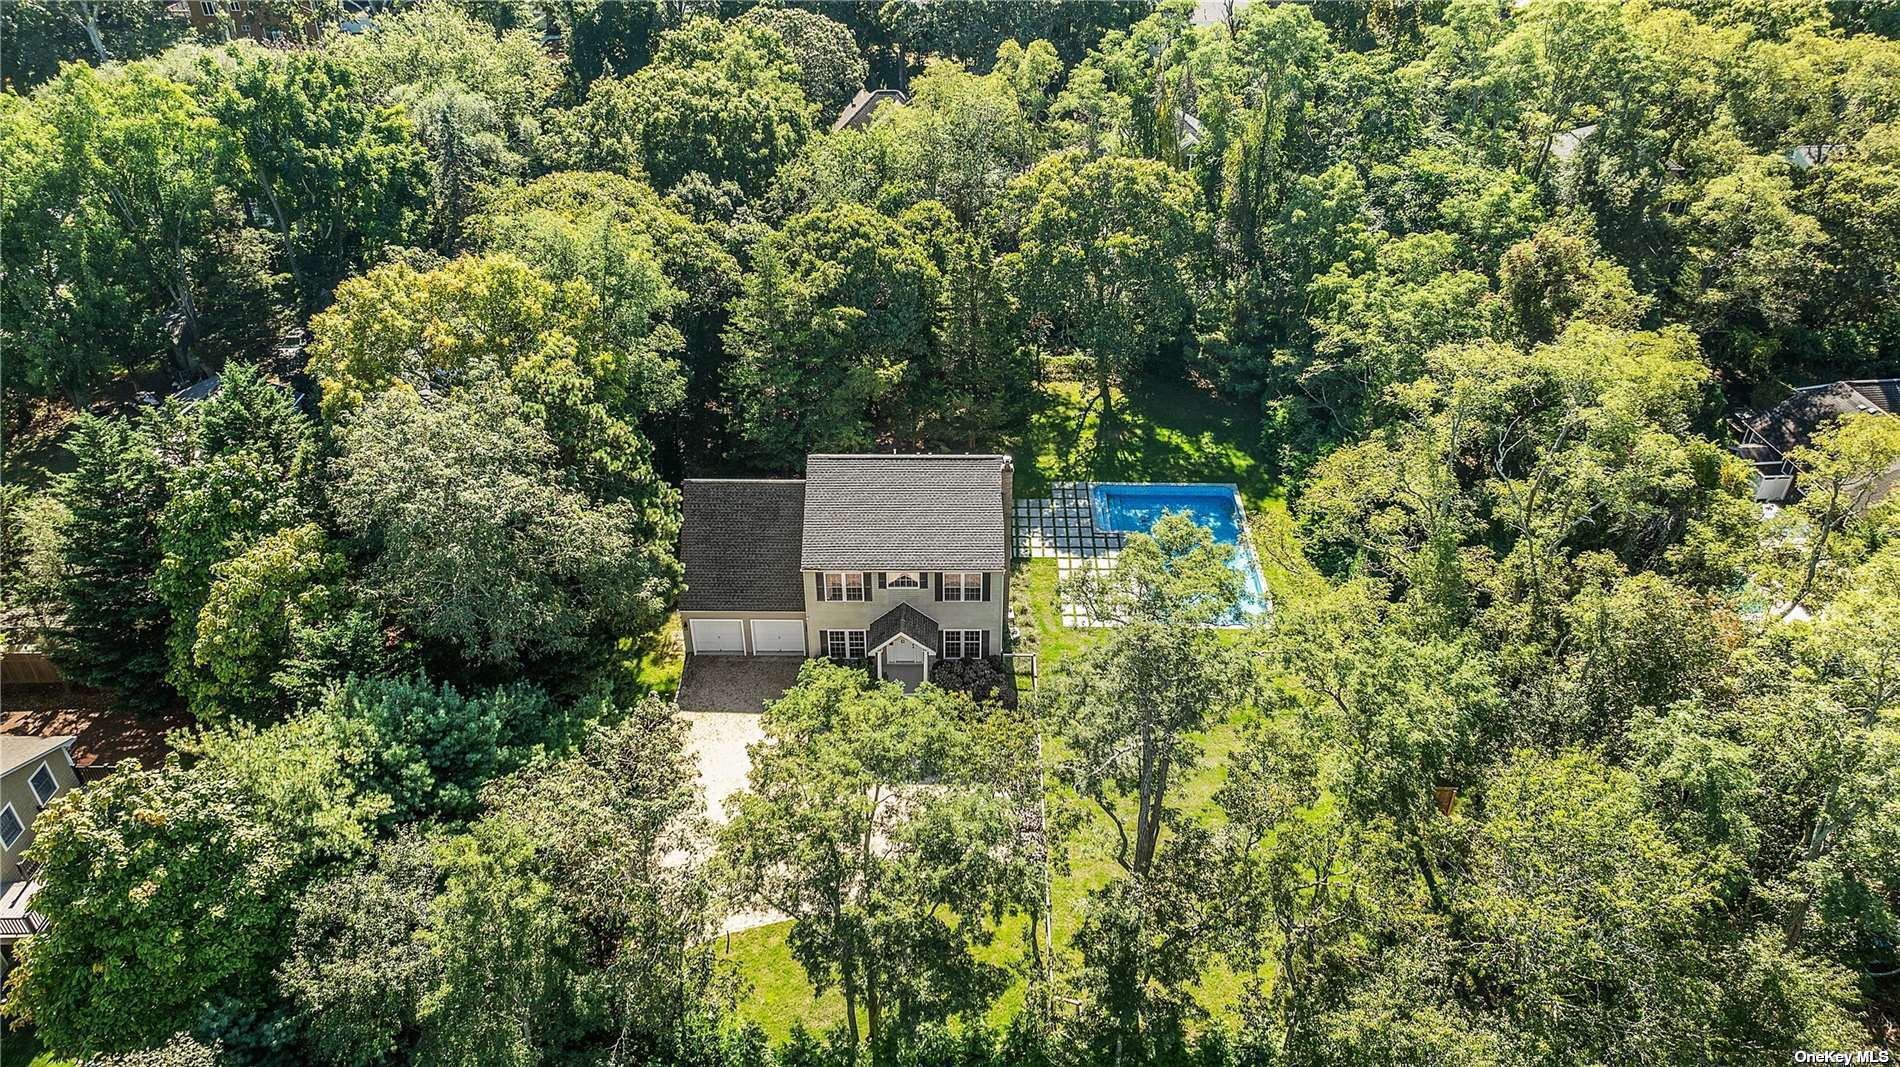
(8, 809)
(844, 587)
(47, 767)
(798, 624)
(928, 651)
(824, 642)
(692, 627)
(969, 644)
(968, 592)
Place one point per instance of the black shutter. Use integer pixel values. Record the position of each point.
(880, 579)
(985, 639)
(824, 642)
(986, 585)
(923, 579)
(943, 638)
(818, 579)
(939, 585)
(867, 586)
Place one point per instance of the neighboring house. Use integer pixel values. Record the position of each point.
(901, 561)
(283, 23)
(1766, 440)
(857, 114)
(1568, 143)
(33, 770)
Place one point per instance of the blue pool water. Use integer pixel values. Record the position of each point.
(1134, 507)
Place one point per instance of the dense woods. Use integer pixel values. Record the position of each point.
(1556, 748)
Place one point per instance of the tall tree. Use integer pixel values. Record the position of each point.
(832, 333)
(830, 68)
(890, 827)
(1844, 476)
(115, 626)
(720, 100)
(480, 541)
(340, 181)
(1100, 249)
(173, 884)
(139, 169)
(568, 924)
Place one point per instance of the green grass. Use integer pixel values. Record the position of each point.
(777, 993)
(657, 659)
(1170, 431)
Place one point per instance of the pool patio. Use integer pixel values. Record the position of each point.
(1062, 527)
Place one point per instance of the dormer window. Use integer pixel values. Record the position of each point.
(905, 580)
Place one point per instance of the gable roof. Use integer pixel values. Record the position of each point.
(1794, 422)
(906, 620)
(739, 543)
(18, 750)
(858, 112)
(905, 512)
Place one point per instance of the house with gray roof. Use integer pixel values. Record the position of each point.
(896, 561)
(857, 114)
(33, 770)
(1768, 439)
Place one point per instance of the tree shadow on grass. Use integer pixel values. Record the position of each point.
(1170, 430)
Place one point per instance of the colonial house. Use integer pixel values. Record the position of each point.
(33, 770)
(1768, 439)
(898, 561)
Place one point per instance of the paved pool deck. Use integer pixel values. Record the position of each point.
(1062, 527)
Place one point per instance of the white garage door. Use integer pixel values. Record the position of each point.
(778, 637)
(718, 637)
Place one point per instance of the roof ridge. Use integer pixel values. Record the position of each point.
(747, 481)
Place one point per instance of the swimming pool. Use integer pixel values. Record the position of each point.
(1134, 507)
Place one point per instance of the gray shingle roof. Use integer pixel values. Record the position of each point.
(905, 512)
(1794, 422)
(739, 543)
(906, 620)
(18, 750)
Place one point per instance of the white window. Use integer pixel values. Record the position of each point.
(207, 8)
(44, 784)
(905, 580)
(843, 644)
(963, 585)
(848, 585)
(962, 644)
(10, 827)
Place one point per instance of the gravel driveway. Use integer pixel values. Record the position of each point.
(718, 741)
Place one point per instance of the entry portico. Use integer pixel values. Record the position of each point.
(903, 640)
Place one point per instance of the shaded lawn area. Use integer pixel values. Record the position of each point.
(655, 661)
(777, 994)
(1171, 431)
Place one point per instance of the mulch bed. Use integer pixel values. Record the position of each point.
(105, 734)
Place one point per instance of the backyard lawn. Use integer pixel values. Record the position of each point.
(1171, 433)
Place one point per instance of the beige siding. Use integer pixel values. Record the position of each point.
(687, 617)
(15, 791)
(949, 614)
